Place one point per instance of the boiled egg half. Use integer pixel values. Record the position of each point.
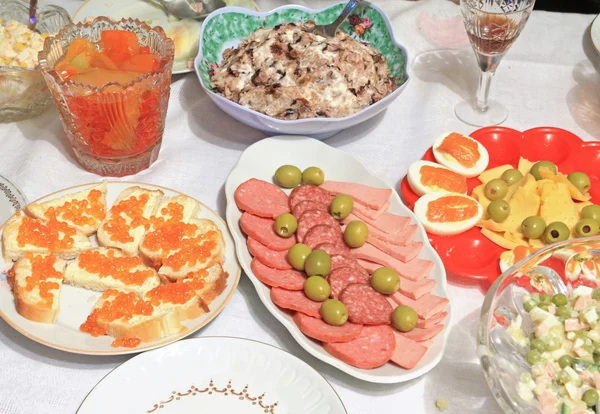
(510, 257)
(461, 154)
(427, 177)
(447, 214)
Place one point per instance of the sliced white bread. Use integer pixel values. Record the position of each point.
(106, 268)
(16, 240)
(83, 210)
(36, 286)
(147, 328)
(179, 263)
(208, 283)
(170, 213)
(118, 229)
(179, 298)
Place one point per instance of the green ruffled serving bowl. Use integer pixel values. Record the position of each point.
(226, 27)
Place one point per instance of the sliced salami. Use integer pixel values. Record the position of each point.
(344, 276)
(306, 205)
(365, 305)
(321, 331)
(261, 198)
(373, 347)
(262, 230)
(286, 279)
(309, 193)
(272, 258)
(346, 261)
(296, 301)
(323, 234)
(334, 249)
(313, 218)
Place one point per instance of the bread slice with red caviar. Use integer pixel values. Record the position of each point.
(36, 283)
(208, 283)
(168, 226)
(200, 249)
(106, 268)
(22, 234)
(129, 218)
(179, 298)
(83, 210)
(124, 315)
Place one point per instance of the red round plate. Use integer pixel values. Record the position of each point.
(471, 255)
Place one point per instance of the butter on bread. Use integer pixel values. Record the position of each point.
(105, 268)
(88, 219)
(13, 249)
(37, 291)
(208, 283)
(118, 229)
(178, 298)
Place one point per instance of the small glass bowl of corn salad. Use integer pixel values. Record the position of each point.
(23, 91)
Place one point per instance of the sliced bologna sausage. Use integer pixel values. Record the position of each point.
(286, 279)
(261, 198)
(309, 193)
(306, 205)
(272, 258)
(262, 230)
(346, 261)
(296, 301)
(365, 305)
(321, 331)
(333, 249)
(313, 218)
(323, 234)
(344, 276)
(373, 348)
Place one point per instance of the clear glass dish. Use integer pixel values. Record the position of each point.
(23, 92)
(550, 270)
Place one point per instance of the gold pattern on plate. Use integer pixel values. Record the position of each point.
(211, 389)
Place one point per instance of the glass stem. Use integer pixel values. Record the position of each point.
(483, 90)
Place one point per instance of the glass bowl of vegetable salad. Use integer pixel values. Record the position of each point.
(539, 332)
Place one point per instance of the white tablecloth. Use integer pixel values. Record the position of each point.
(548, 78)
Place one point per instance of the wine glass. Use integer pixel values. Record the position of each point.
(492, 26)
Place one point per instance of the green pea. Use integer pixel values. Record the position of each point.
(563, 312)
(565, 361)
(553, 343)
(596, 358)
(590, 397)
(560, 299)
(545, 299)
(535, 297)
(533, 357)
(538, 345)
(543, 306)
(528, 306)
(596, 294)
(581, 335)
(564, 377)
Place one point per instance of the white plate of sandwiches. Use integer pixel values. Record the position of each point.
(367, 345)
(214, 375)
(114, 268)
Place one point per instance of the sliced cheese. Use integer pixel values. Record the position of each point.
(557, 204)
(493, 173)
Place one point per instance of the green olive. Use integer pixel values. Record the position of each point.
(334, 312)
(318, 263)
(498, 210)
(313, 176)
(547, 165)
(580, 180)
(533, 227)
(385, 280)
(496, 189)
(356, 233)
(404, 318)
(286, 225)
(317, 288)
(538, 345)
(556, 232)
(563, 312)
(297, 255)
(592, 212)
(590, 397)
(566, 361)
(560, 299)
(288, 176)
(512, 176)
(586, 228)
(341, 206)
(533, 356)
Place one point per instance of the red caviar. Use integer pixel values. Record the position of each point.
(118, 227)
(168, 234)
(127, 342)
(195, 280)
(42, 269)
(46, 234)
(80, 212)
(177, 293)
(193, 250)
(120, 268)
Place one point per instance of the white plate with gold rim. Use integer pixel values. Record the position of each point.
(214, 375)
(260, 161)
(11, 199)
(77, 303)
(185, 33)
